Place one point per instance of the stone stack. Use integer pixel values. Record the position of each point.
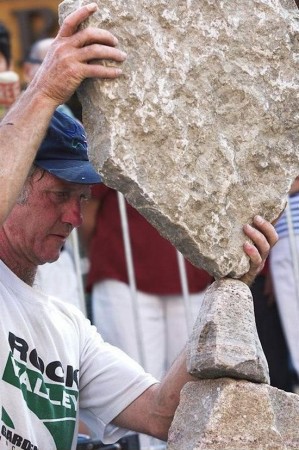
(231, 406)
(200, 135)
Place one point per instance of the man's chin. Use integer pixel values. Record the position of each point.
(50, 259)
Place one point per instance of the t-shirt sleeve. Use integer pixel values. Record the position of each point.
(109, 381)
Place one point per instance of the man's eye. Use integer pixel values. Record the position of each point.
(61, 196)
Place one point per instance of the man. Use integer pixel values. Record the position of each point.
(50, 353)
(47, 349)
(66, 65)
(61, 279)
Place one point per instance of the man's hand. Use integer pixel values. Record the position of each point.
(74, 55)
(264, 237)
(68, 61)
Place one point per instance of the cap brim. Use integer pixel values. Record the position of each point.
(74, 171)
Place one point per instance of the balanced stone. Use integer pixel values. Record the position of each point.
(227, 414)
(224, 341)
(201, 132)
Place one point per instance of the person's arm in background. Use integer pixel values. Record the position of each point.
(64, 68)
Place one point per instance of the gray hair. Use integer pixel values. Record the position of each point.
(27, 187)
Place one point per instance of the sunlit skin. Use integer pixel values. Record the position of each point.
(35, 231)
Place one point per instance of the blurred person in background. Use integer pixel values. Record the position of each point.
(5, 49)
(284, 265)
(270, 331)
(9, 80)
(35, 57)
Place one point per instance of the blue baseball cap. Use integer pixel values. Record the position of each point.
(63, 152)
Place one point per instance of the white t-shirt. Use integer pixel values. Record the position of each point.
(48, 352)
(59, 279)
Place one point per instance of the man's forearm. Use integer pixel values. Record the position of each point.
(21, 132)
(167, 396)
(152, 412)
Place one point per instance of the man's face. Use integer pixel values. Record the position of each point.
(38, 229)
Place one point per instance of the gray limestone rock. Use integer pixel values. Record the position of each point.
(201, 132)
(227, 414)
(290, 4)
(224, 341)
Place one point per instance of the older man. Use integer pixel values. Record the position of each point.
(66, 65)
(52, 360)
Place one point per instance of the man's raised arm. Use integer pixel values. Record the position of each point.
(64, 68)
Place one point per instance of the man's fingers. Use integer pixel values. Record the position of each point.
(263, 237)
(262, 234)
(267, 230)
(91, 35)
(101, 71)
(257, 262)
(259, 240)
(98, 52)
(256, 259)
(71, 23)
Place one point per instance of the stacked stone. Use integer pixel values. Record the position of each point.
(231, 406)
(201, 134)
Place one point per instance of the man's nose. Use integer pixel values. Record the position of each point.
(72, 213)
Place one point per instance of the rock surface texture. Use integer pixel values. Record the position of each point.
(290, 4)
(222, 411)
(224, 341)
(227, 414)
(201, 132)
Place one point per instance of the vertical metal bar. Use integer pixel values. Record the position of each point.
(185, 290)
(131, 276)
(77, 263)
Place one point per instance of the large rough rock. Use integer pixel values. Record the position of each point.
(201, 133)
(227, 414)
(224, 341)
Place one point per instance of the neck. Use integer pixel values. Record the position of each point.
(23, 269)
(26, 274)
